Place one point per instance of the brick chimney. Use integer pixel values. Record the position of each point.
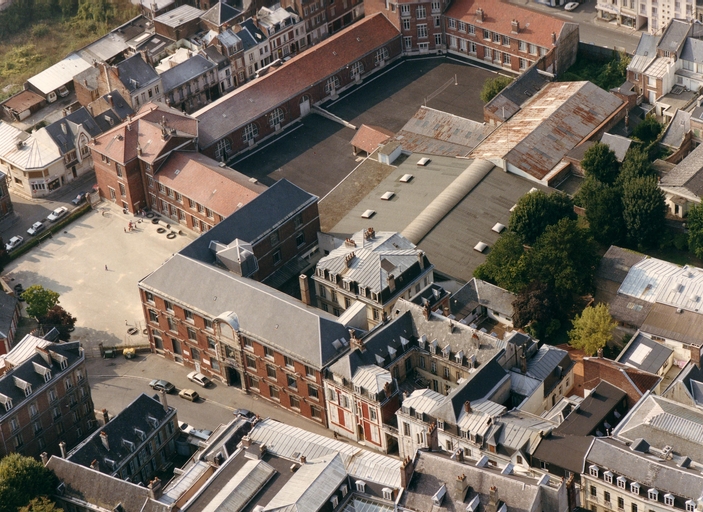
(246, 442)
(44, 458)
(426, 311)
(467, 407)
(479, 15)
(461, 487)
(421, 259)
(554, 38)
(303, 459)
(432, 438)
(103, 438)
(94, 464)
(354, 341)
(391, 282)
(163, 400)
(523, 363)
(600, 353)
(515, 27)
(493, 499)
(106, 416)
(304, 289)
(407, 468)
(155, 488)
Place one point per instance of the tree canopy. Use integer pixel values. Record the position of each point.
(41, 504)
(600, 162)
(644, 209)
(648, 130)
(503, 265)
(39, 300)
(493, 86)
(23, 479)
(536, 309)
(537, 210)
(61, 319)
(635, 165)
(694, 222)
(604, 214)
(593, 329)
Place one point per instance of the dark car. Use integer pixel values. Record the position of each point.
(164, 385)
(79, 198)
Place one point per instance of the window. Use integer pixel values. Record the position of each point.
(422, 31)
(300, 239)
(291, 381)
(506, 59)
(522, 46)
(309, 371)
(332, 84)
(52, 394)
(360, 486)
(191, 333)
(313, 392)
(387, 493)
(608, 477)
(621, 482)
(405, 10)
(315, 412)
(194, 354)
(635, 488)
(593, 470)
(251, 362)
(248, 344)
(224, 146)
(690, 506)
(435, 19)
(452, 23)
(606, 496)
(621, 502)
(294, 402)
(14, 424)
(462, 26)
(171, 324)
(380, 56)
(251, 131)
(653, 494)
(113, 196)
(436, 7)
(288, 361)
(471, 29)
(406, 24)
(118, 168)
(271, 371)
(486, 35)
(533, 49)
(408, 42)
(268, 352)
(438, 39)
(523, 64)
(505, 40)
(277, 257)
(634, 507)
(594, 491)
(273, 392)
(420, 12)
(276, 117)
(168, 306)
(406, 428)
(669, 500)
(372, 414)
(208, 324)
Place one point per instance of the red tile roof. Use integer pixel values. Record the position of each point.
(368, 138)
(200, 178)
(260, 96)
(535, 27)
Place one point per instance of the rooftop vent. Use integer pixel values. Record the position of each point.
(368, 214)
(405, 178)
(388, 196)
(423, 161)
(498, 228)
(480, 247)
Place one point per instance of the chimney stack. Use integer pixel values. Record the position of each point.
(407, 467)
(461, 487)
(111, 100)
(467, 406)
(162, 399)
(600, 353)
(479, 15)
(421, 259)
(303, 459)
(103, 438)
(304, 289)
(554, 38)
(246, 442)
(106, 416)
(426, 311)
(44, 458)
(515, 27)
(354, 341)
(523, 364)
(493, 499)
(62, 447)
(155, 488)
(139, 149)
(391, 282)
(94, 464)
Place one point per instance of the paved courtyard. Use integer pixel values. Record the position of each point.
(73, 262)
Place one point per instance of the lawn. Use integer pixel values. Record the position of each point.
(605, 74)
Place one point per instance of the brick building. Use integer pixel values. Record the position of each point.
(191, 84)
(420, 23)
(314, 15)
(46, 401)
(257, 110)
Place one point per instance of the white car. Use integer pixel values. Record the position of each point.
(36, 228)
(58, 213)
(199, 378)
(14, 242)
(571, 6)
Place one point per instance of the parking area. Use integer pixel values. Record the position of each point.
(316, 154)
(95, 266)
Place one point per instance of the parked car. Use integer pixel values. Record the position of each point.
(159, 385)
(79, 198)
(57, 213)
(189, 394)
(571, 6)
(201, 433)
(14, 242)
(185, 428)
(199, 378)
(36, 228)
(244, 412)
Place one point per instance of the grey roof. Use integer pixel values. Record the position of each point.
(594, 409)
(519, 91)
(679, 126)
(520, 431)
(618, 144)
(8, 306)
(546, 360)
(30, 373)
(644, 353)
(433, 470)
(494, 297)
(90, 486)
(135, 73)
(648, 470)
(250, 34)
(59, 74)
(275, 205)
(690, 374)
(65, 131)
(629, 310)
(674, 36)
(665, 321)
(692, 50)
(303, 331)
(184, 72)
(214, 55)
(179, 16)
(564, 451)
(105, 48)
(645, 53)
(616, 263)
(687, 175)
(220, 13)
(228, 38)
(119, 429)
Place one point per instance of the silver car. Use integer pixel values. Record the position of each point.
(36, 228)
(14, 242)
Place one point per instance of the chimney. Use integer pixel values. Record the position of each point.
(106, 416)
(407, 468)
(421, 259)
(426, 311)
(554, 38)
(246, 442)
(139, 149)
(515, 27)
(110, 100)
(62, 447)
(493, 499)
(44, 458)
(388, 389)
(461, 487)
(432, 438)
(459, 455)
(354, 341)
(94, 464)
(467, 407)
(155, 488)
(162, 399)
(479, 15)
(303, 459)
(600, 353)
(304, 289)
(523, 364)
(451, 326)
(391, 282)
(103, 438)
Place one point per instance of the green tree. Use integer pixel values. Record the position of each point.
(600, 162)
(537, 210)
(493, 86)
(643, 211)
(648, 130)
(23, 479)
(635, 165)
(536, 309)
(100, 11)
(593, 329)
(39, 300)
(503, 265)
(61, 319)
(604, 214)
(694, 222)
(41, 504)
(564, 258)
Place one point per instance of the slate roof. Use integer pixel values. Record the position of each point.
(91, 486)
(645, 53)
(674, 36)
(618, 144)
(119, 429)
(135, 73)
(277, 204)
(679, 126)
(593, 410)
(690, 378)
(687, 175)
(30, 372)
(508, 101)
(494, 297)
(302, 331)
(644, 353)
(250, 34)
(546, 360)
(186, 71)
(65, 140)
(8, 305)
(317, 63)
(220, 13)
(564, 451)
(692, 50)
(520, 431)
(114, 106)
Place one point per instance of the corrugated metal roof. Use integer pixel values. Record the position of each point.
(423, 400)
(372, 378)
(59, 74)
(179, 16)
(245, 484)
(285, 441)
(34, 154)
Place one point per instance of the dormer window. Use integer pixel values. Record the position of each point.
(459, 357)
(608, 477)
(622, 482)
(6, 401)
(440, 424)
(433, 347)
(653, 494)
(690, 506)
(593, 470)
(25, 386)
(152, 421)
(669, 500)
(421, 342)
(140, 434)
(360, 486)
(392, 352)
(446, 351)
(635, 488)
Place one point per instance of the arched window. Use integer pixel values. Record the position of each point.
(381, 55)
(224, 146)
(251, 131)
(357, 69)
(332, 84)
(276, 117)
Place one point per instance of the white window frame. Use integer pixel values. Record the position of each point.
(250, 132)
(276, 117)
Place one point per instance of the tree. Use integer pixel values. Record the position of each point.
(536, 309)
(564, 258)
(600, 162)
(23, 479)
(61, 319)
(39, 300)
(41, 504)
(635, 165)
(644, 209)
(503, 265)
(648, 130)
(694, 222)
(592, 330)
(537, 210)
(604, 214)
(493, 86)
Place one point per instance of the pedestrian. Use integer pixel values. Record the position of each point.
(105, 267)
(125, 229)
(336, 436)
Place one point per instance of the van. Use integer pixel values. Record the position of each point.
(63, 91)
(51, 97)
